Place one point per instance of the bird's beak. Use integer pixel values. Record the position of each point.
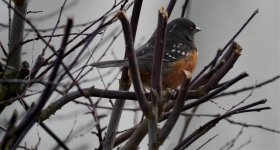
(197, 29)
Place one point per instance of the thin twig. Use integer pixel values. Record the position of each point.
(75, 47)
(244, 144)
(31, 116)
(215, 92)
(209, 125)
(225, 47)
(184, 8)
(186, 125)
(54, 35)
(231, 143)
(170, 7)
(253, 126)
(54, 29)
(30, 24)
(209, 140)
(10, 131)
(242, 101)
(3, 49)
(244, 89)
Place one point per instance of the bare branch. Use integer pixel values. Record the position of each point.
(31, 116)
(124, 81)
(209, 140)
(215, 92)
(209, 125)
(135, 75)
(16, 35)
(3, 49)
(225, 47)
(184, 8)
(253, 126)
(178, 107)
(156, 78)
(170, 7)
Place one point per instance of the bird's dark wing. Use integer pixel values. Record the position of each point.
(146, 50)
(176, 50)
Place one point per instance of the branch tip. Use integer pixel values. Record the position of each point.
(244, 74)
(257, 11)
(163, 12)
(121, 14)
(237, 47)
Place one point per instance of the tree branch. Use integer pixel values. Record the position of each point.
(16, 35)
(135, 75)
(209, 125)
(34, 112)
(178, 107)
(156, 99)
(124, 83)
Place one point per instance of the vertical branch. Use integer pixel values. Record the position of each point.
(13, 64)
(34, 112)
(184, 8)
(10, 20)
(156, 77)
(124, 84)
(10, 130)
(135, 75)
(170, 7)
(16, 35)
(178, 107)
(159, 51)
(135, 17)
(55, 27)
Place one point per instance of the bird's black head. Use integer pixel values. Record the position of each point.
(183, 27)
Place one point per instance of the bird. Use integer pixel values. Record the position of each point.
(180, 54)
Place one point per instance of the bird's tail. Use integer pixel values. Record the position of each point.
(109, 64)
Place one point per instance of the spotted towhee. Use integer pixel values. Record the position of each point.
(180, 54)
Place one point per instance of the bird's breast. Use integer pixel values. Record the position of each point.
(173, 76)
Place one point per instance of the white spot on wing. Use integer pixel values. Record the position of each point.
(173, 57)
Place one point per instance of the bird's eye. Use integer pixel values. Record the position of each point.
(192, 27)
